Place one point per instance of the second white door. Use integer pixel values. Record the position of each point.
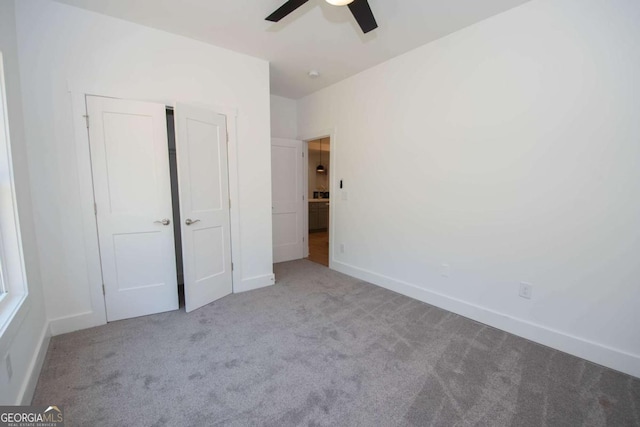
(201, 146)
(287, 199)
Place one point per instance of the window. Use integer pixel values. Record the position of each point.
(13, 289)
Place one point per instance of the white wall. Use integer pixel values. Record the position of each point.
(284, 118)
(66, 52)
(26, 338)
(509, 151)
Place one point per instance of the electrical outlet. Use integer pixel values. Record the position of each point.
(445, 270)
(526, 290)
(7, 363)
(341, 248)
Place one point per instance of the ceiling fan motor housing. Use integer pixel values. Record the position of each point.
(360, 10)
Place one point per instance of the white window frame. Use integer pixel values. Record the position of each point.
(13, 283)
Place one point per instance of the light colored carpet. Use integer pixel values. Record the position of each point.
(321, 348)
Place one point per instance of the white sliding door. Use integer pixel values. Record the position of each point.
(130, 163)
(287, 199)
(201, 146)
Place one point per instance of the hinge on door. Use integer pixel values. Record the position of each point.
(229, 203)
(231, 266)
(303, 197)
(95, 209)
(86, 117)
(103, 291)
(303, 154)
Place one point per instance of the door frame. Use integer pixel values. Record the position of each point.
(330, 133)
(97, 315)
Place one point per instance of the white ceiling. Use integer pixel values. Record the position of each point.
(316, 36)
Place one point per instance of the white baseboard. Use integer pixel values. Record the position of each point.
(74, 322)
(594, 352)
(254, 283)
(25, 396)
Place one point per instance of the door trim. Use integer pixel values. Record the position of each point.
(330, 133)
(95, 315)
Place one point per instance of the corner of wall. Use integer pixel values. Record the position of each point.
(74, 322)
(284, 117)
(28, 388)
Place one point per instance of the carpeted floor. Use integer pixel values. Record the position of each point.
(321, 348)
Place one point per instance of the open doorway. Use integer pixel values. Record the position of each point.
(319, 198)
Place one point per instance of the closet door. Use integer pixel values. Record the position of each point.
(130, 163)
(287, 199)
(201, 147)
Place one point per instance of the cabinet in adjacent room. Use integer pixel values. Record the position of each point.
(318, 216)
(313, 216)
(323, 216)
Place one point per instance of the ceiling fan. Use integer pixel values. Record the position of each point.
(359, 8)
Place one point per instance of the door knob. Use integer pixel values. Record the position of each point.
(189, 222)
(163, 222)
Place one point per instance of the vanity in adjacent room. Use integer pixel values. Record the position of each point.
(319, 211)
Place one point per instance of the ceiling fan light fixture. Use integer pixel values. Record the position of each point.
(339, 2)
(360, 10)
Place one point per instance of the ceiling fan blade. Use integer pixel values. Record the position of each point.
(363, 14)
(285, 9)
